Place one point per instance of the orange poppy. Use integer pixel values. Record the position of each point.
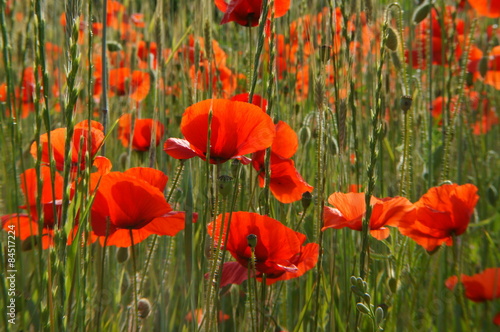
(199, 316)
(442, 212)
(279, 251)
(79, 144)
(349, 210)
(493, 74)
(257, 100)
(484, 286)
(488, 8)
(143, 129)
(133, 201)
(140, 83)
(247, 12)
(237, 129)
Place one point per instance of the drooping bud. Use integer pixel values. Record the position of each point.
(421, 12)
(304, 135)
(391, 40)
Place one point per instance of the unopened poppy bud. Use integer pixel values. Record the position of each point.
(421, 12)
(252, 240)
(143, 308)
(225, 183)
(122, 254)
(362, 308)
(379, 315)
(406, 102)
(393, 285)
(391, 39)
(306, 200)
(324, 54)
(395, 60)
(304, 135)
(492, 195)
(113, 46)
(483, 66)
(356, 291)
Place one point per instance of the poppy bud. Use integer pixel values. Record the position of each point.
(421, 12)
(225, 183)
(396, 61)
(306, 200)
(143, 308)
(393, 285)
(362, 308)
(391, 39)
(406, 103)
(252, 240)
(483, 66)
(379, 315)
(113, 46)
(356, 291)
(304, 135)
(492, 195)
(324, 54)
(122, 254)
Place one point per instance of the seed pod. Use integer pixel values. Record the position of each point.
(421, 12)
(143, 308)
(122, 254)
(362, 308)
(406, 103)
(252, 240)
(307, 198)
(391, 39)
(225, 183)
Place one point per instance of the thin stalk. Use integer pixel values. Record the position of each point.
(134, 293)
(104, 74)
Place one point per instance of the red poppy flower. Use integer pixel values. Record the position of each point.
(440, 213)
(79, 144)
(140, 83)
(237, 129)
(488, 8)
(350, 209)
(286, 184)
(26, 225)
(133, 201)
(493, 74)
(279, 251)
(247, 12)
(480, 287)
(143, 129)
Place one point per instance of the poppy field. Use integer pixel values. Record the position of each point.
(250, 165)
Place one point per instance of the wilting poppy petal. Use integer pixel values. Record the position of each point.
(233, 273)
